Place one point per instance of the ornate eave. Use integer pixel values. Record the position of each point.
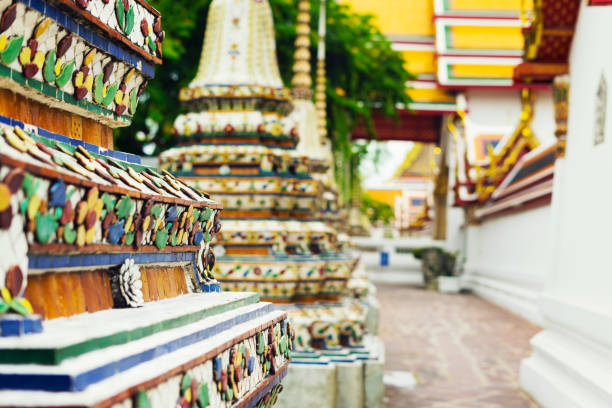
(479, 182)
(548, 38)
(528, 185)
(422, 127)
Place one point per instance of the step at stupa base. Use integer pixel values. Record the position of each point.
(340, 378)
(226, 348)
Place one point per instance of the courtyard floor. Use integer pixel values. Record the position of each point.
(464, 351)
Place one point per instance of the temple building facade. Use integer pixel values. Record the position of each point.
(525, 147)
(496, 128)
(409, 191)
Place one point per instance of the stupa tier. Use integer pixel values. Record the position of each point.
(107, 293)
(238, 143)
(237, 90)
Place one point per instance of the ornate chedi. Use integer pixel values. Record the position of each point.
(258, 150)
(238, 142)
(104, 261)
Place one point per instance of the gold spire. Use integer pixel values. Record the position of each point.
(301, 80)
(320, 96)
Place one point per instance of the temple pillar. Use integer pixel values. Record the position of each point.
(571, 364)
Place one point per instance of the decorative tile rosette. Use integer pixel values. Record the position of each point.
(224, 127)
(195, 92)
(246, 185)
(290, 279)
(127, 286)
(266, 160)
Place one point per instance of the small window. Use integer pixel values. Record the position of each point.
(600, 111)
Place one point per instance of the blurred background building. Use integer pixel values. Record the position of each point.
(515, 95)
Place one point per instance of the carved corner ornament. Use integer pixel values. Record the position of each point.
(561, 100)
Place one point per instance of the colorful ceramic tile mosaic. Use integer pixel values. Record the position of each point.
(53, 58)
(278, 237)
(89, 233)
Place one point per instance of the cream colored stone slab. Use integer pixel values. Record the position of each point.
(309, 385)
(374, 389)
(349, 389)
(373, 315)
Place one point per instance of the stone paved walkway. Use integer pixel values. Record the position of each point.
(464, 351)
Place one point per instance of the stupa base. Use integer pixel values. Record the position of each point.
(567, 371)
(336, 378)
(153, 356)
(287, 278)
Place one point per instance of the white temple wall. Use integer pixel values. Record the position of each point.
(571, 364)
(501, 264)
(494, 107)
(503, 108)
(507, 259)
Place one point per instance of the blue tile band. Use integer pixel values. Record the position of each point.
(262, 393)
(16, 325)
(47, 261)
(210, 287)
(80, 381)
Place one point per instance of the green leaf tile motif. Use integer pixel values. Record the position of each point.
(142, 400)
(120, 12)
(69, 234)
(110, 94)
(46, 224)
(129, 25)
(49, 71)
(65, 75)
(161, 238)
(12, 50)
(124, 207)
(133, 101)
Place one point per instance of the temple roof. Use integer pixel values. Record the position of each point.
(548, 40)
(417, 163)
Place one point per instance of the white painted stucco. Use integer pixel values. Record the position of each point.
(571, 365)
(508, 259)
(494, 107)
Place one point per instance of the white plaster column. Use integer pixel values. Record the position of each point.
(571, 363)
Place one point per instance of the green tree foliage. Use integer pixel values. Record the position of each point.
(376, 210)
(184, 22)
(363, 74)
